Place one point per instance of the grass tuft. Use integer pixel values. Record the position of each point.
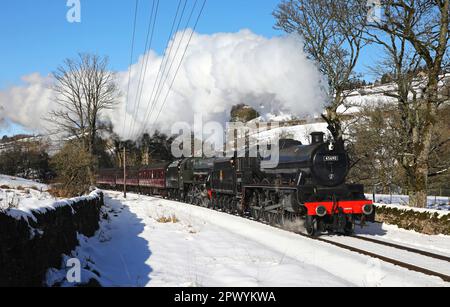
(166, 220)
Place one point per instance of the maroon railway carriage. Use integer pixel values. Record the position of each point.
(152, 179)
(107, 178)
(149, 180)
(132, 179)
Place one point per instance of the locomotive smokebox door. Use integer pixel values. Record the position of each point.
(317, 138)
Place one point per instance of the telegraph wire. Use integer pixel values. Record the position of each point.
(144, 67)
(182, 58)
(161, 86)
(131, 62)
(164, 60)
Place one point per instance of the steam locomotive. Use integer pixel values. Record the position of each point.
(309, 183)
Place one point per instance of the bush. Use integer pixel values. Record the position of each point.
(72, 168)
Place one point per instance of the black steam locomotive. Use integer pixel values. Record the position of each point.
(308, 182)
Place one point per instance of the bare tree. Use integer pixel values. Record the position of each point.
(84, 88)
(333, 32)
(375, 147)
(415, 35)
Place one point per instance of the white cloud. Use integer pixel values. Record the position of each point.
(219, 71)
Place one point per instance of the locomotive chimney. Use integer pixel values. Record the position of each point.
(317, 138)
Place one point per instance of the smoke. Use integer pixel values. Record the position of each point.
(218, 71)
(27, 104)
(297, 225)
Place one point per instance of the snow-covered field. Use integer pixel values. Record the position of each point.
(208, 248)
(16, 182)
(300, 133)
(19, 197)
(434, 202)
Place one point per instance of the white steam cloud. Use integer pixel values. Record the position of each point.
(218, 71)
(28, 104)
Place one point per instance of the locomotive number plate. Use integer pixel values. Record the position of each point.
(331, 158)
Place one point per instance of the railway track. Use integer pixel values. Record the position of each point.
(412, 259)
(406, 248)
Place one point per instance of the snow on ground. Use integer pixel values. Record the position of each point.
(300, 133)
(436, 244)
(209, 248)
(270, 117)
(19, 198)
(21, 203)
(434, 202)
(16, 182)
(30, 203)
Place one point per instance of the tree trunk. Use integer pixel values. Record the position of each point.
(422, 147)
(89, 148)
(418, 189)
(334, 124)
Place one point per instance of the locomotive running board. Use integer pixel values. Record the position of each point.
(270, 187)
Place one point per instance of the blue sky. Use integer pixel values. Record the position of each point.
(36, 36)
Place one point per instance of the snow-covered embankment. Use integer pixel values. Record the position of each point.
(36, 230)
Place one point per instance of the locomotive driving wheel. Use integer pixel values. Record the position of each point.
(197, 196)
(281, 217)
(312, 226)
(190, 196)
(254, 203)
(350, 228)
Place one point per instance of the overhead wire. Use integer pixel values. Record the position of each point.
(181, 62)
(131, 62)
(162, 65)
(144, 67)
(161, 85)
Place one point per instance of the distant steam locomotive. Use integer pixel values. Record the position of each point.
(309, 182)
